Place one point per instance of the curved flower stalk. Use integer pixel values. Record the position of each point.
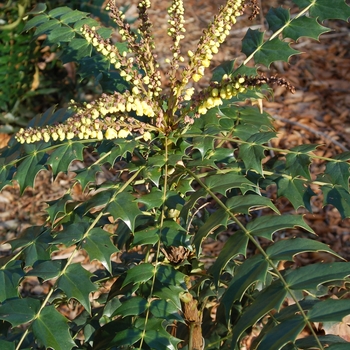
(116, 115)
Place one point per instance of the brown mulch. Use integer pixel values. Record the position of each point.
(319, 112)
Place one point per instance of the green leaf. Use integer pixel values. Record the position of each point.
(224, 182)
(139, 274)
(243, 204)
(338, 170)
(172, 234)
(330, 310)
(298, 27)
(252, 153)
(270, 298)
(149, 235)
(252, 270)
(298, 162)
(77, 49)
(35, 22)
(160, 339)
(329, 339)
(77, 288)
(52, 330)
(235, 245)
(72, 16)
(165, 309)
(47, 27)
(124, 207)
(58, 207)
(19, 311)
(98, 245)
(131, 307)
(38, 8)
(339, 197)
(169, 276)
(203, 144)
(283, 333)
(47, 269)
(215, 221)
(251, 41)
(6, 345)
(6, 173)
(35, 240)
(106, 337)
(266, 226)
(304, 27)
(154, 199)
(71, 234)
(277, 18)
(296, 191)
(59, 35)
(311, 276)
(10, 277)
(88, 175)
(63, 156)
(168, 291)
(29, 169)
(287, 249)
(325, 9)
(59, 11)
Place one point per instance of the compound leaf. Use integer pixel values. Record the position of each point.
(52, 330)
(77, 288)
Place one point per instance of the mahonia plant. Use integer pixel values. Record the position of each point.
(187, 165)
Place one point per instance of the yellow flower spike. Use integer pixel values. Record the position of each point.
(128, 106)
(62, 136)
(93, 134)
(190, 54)
(70, 135)
(104, 111)
(242, 89)
(237, 86)
(99, 135)
(241, 80)
(54, 136)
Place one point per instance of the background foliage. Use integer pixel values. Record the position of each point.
(169, 194)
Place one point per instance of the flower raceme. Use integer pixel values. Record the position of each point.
(118, 115)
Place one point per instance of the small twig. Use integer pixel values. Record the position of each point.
(316, 132)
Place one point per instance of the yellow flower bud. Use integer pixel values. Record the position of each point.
(111, 134)
(123, 133)
(147, 136)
